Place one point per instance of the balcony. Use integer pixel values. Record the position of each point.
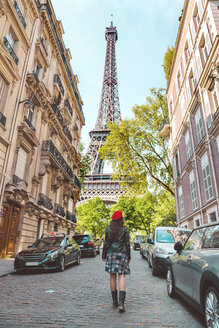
(67, 104)
(2, 119)
(49, 147)
(10, 50)
(77, 181)
(45, 201)
(29, 124)
(57, 80)
(59, 210)
(71, 217)
(20, 14)
(62, 50)
(60, 118)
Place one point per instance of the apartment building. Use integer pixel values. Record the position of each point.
(41, 118)
(193, 101)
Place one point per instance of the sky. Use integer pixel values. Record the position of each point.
(145, 30)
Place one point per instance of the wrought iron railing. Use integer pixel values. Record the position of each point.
(10, 50)
(45, 201)
(58, 81)
(59, 210)
(49, 147)
(71, 217)
(20, 14)
(77, 181)
(29, 124)
(46, 7)
(67, 104)
(2, 119)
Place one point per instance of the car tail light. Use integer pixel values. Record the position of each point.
(90, 243)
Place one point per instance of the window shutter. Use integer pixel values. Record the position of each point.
(198, 62)
(192, 27)
(21, 164)
(188, 89)
(207, 108)
(207, 39)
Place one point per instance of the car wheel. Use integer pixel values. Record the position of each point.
(149, 262)
(170, 283)
(211, 304)
(94, 254)
(61, 264)
(154, 270)
(78, 260)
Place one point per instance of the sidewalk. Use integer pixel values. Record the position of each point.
(6, 266)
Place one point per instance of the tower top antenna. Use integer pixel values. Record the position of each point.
(111, 20)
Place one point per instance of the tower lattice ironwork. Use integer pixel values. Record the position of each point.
(97, 183)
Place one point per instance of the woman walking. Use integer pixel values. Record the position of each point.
(116, 254)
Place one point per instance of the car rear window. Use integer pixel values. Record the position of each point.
(81, 238)
(172, 235)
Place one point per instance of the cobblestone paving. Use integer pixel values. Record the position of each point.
(81, 298)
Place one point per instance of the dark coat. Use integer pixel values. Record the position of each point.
(120, 245)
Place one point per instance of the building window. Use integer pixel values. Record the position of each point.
(38, 72)
(3, 93)
(187, 52)
(199, 125)
(192, 83)
(193, 190)
(217, 140)
(181, 203)
(188, 145)
(197, 223)
(196, 18)
(207, 177)
(213, 217)
(70, 205)
(21, 164)
(10, 42)
(203, 50)
(56, 227)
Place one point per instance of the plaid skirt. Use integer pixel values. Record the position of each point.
(117, 263)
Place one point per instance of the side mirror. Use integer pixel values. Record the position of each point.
(178, 247)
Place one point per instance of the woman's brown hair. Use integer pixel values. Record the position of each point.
(115, 228)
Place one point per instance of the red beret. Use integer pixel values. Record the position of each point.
(117, 215)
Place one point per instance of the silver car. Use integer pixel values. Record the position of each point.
(194, 272)
(161, 246)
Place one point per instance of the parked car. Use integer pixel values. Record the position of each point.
(145, 249)
(51, 251)
(88, 245)
(137, 241)
(193, 272)
(142, 247)
(162, 246)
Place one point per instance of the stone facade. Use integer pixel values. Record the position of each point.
(41, 118)
(193, 101)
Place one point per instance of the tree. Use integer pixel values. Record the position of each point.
(165, 210)
(139, 154)
(93, 217)
(85, 165)
(167, 62)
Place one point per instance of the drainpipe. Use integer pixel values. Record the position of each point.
(14, 120)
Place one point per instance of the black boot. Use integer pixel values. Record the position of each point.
(121, 301)
(115, 299)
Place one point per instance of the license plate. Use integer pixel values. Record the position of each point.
(81, 245)
(32, 263)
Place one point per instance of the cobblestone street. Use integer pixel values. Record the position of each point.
(80, 297)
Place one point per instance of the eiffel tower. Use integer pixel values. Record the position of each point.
(98, 183)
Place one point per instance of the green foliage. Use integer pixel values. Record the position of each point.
(93, 217)
(165, 210)
(167, 62)
(138, 153)
(85, 165)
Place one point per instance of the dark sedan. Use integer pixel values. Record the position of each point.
(193, 272)
(53, 251)
(88, 245)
